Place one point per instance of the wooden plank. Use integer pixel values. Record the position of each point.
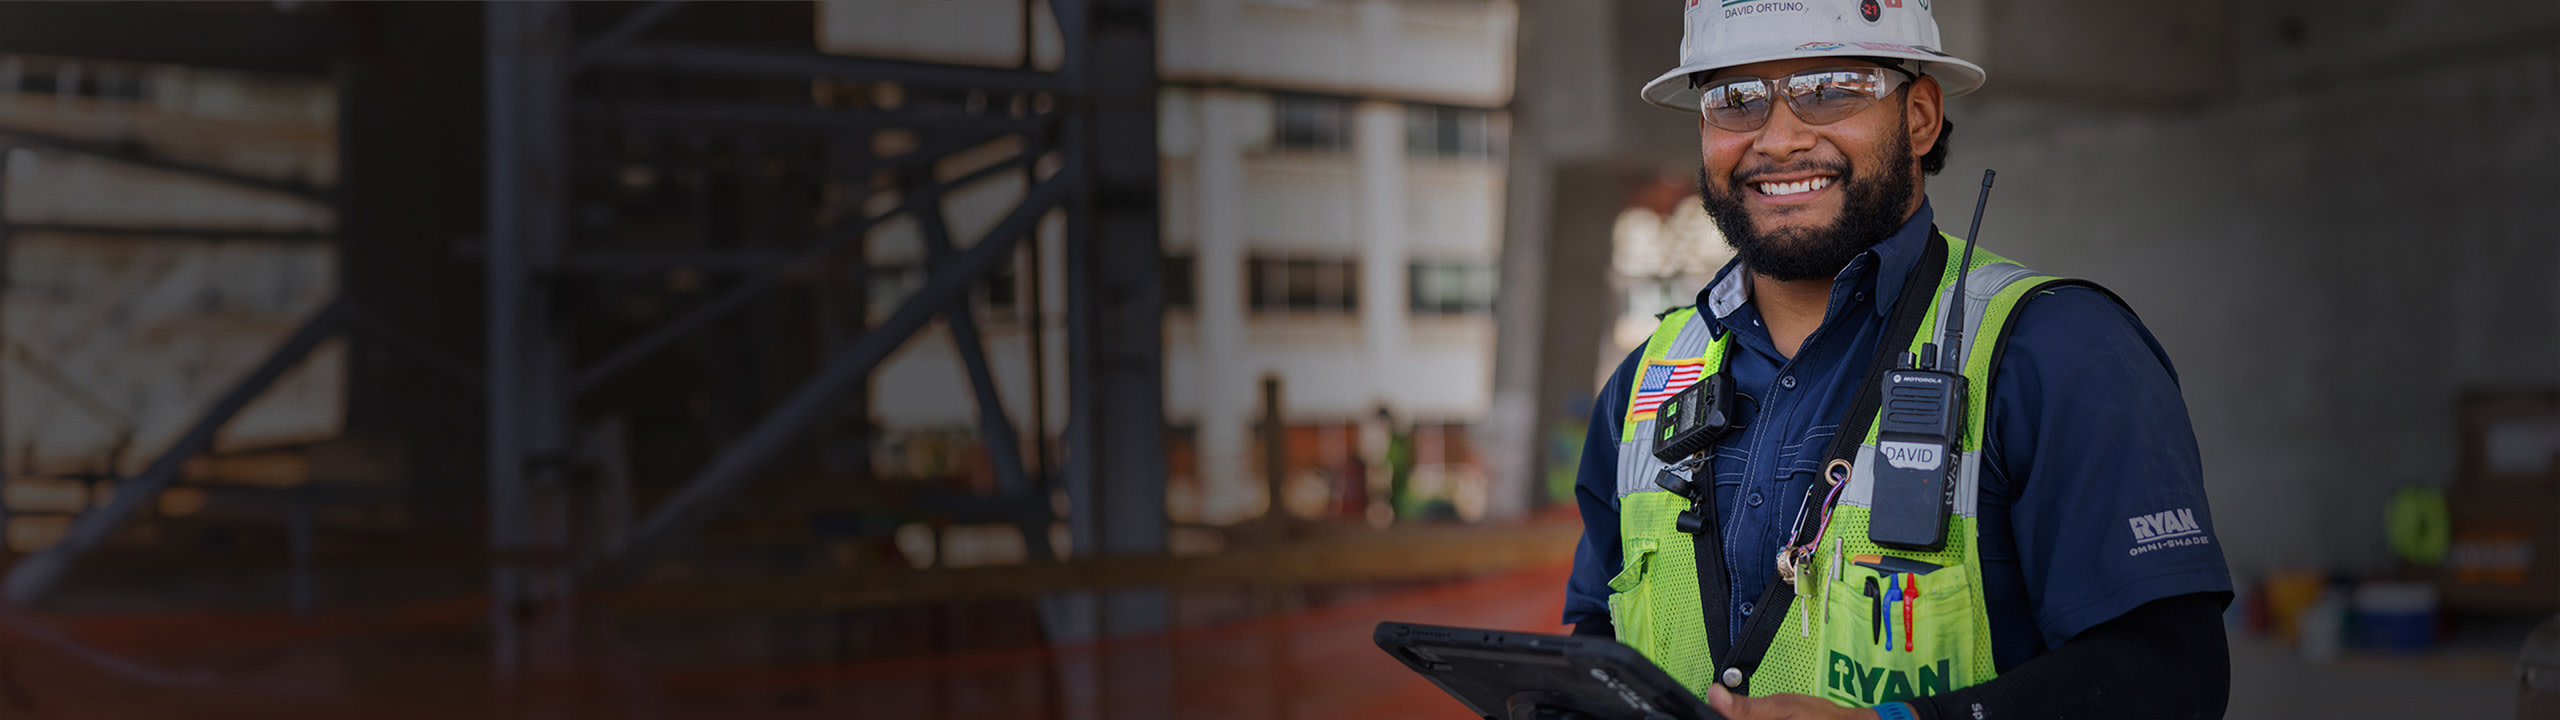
(1336, 557)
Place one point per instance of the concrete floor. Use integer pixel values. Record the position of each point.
(2272, 682)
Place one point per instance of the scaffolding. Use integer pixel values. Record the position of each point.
(575, 94)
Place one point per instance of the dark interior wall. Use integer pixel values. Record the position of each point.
(1581, 305)
(410, 147)
(1651, 139)
(2333, 232)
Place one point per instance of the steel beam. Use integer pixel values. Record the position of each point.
(771, 435)
(753, 285)
(1115, 327)
(770, 117)
(7, 514)
(658, 261)
(298, 237)
(793, 64)
(1116, 298)
(36, 576)
(622, 32)
(995, 430)
(131, 154)
(527, 201)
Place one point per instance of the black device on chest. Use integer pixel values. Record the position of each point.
(1684, 426)
(1692, 419)
(1915, 466)
(1920, 427)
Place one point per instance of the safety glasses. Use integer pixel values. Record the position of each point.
(1819, 96)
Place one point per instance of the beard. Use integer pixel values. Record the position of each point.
(1870, 211)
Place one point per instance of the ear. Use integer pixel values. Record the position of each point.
(1923, 116)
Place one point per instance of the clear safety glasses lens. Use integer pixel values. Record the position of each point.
(1818, 97)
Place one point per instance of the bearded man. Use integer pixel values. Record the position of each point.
(2074, 572)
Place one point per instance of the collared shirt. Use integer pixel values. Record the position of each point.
(2087, 440)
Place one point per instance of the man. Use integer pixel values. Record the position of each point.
(2076, 574)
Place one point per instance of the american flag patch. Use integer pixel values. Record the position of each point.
(1661, 379)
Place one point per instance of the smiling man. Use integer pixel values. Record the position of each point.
(2038, 545)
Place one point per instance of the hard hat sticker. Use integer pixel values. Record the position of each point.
(1739, 8)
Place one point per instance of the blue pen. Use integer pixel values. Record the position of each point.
(1892, 594)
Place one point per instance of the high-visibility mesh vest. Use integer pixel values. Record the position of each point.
(1832, 643)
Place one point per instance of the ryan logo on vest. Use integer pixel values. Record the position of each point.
(1851, 681)
(2166, 529)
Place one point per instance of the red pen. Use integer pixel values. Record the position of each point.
(1910, 599)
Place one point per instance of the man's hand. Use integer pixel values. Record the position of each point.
(1782, 706)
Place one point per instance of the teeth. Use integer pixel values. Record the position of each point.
(1791, 188)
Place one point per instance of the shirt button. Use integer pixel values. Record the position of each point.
(1861, 296)
(1754, 499)
(1788, 382)
(1746, 608)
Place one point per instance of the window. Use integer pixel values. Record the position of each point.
(1311, 123)
(1443, 131)
(1000, 287)
(1451, 288)
(890, 285)
(1178, 274)
(1304, 285)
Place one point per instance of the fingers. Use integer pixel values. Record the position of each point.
(1726, 704)
(1777, 707)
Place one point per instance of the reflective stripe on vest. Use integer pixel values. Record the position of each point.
(1832, 643)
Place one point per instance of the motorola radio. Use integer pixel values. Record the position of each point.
(1922, 419)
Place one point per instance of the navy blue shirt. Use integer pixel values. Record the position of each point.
(2088, 445)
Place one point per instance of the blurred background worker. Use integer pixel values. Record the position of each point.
(2070, 568)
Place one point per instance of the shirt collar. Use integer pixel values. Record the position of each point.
(1888, 264)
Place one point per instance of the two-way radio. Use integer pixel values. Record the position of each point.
(1921, 422)
(1687, 425)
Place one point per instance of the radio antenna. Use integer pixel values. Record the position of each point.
(1954, 328)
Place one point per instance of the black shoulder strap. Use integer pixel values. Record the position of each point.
(1908, 313)
(1771, 610)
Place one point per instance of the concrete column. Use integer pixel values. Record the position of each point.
(1563, 109)
(1224, 392)
(1378, 145)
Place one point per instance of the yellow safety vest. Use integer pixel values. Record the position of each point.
(1828, 644)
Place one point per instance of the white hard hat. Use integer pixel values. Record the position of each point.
(1725, 33)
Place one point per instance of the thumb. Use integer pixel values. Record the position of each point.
(1725, 703)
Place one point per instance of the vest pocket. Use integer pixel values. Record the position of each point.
(1630, 599)
(1880, 645)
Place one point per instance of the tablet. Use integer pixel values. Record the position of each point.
(1503, 675)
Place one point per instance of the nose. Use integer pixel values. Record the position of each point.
(1783, 135)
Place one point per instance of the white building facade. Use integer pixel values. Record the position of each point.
(1332, 175)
